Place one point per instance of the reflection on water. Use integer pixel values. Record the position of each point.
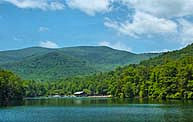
(97, 110)
(92, 101)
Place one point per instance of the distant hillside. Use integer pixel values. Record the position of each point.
(18, 55)
(168, 56)
(51, 64)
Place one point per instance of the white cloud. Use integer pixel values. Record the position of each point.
(160, 51)
(40, 4)
(48, 44)
(157, 18)
(143, 24)
(117, 45)
(90, 7)
(43, 29)
(162, 8)
(158, 8)
(186, 32)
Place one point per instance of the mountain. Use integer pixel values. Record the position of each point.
(169, 56)
(51, 64)
(172, 79)
(18, 55)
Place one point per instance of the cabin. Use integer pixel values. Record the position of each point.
(80, 94)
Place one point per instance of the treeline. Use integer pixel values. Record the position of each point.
(173, 79)
(11, 86)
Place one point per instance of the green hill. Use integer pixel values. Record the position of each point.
(169, 56)
(168, 76)
(170, 79)
(51, 64)
(18, 55)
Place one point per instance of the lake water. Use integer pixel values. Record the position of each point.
(97, 110)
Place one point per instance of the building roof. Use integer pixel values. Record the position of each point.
(78, 93)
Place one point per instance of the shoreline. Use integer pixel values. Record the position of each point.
(105, 96)
(49, 97)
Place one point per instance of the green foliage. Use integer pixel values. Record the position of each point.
(53, 64)
(169, 56)
(11, 86)
(171, 79)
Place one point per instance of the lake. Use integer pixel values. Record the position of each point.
(97, 110)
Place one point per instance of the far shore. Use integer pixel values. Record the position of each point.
(72, 96)
(105, 96)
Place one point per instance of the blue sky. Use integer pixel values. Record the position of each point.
(133, 25)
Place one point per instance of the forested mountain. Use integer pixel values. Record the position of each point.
(169, 56)
(52, 64)
(169, 79)
(19, 55)
(172, 79)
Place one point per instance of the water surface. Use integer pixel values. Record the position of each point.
(97, 110)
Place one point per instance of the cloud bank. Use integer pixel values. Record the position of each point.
(157, 18)
(143, 24)
(90, 7)
(38, 4)
(48, 44)
(167, 19)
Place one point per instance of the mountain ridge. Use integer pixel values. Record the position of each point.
(171, 55)
(30, 63)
